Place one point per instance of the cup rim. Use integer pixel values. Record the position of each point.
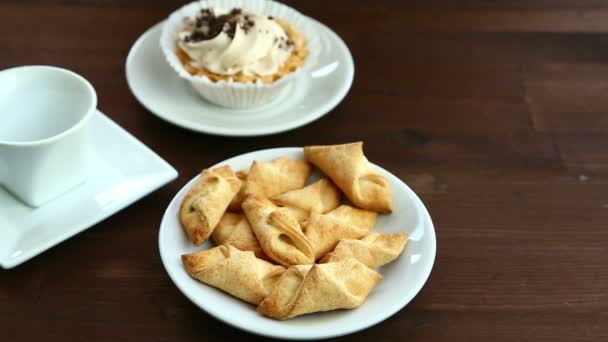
(72, 128)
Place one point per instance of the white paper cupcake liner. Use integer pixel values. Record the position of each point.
(235, 94)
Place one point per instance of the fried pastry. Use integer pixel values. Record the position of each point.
(323, 231)
(205, 204)
(305, 289)
(234, 229)
(319, 197)
(348, 167)
(374, 250)
(275, 177)
(278, 232)
(235, 204)
(238, 273)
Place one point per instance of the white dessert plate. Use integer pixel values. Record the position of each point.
(312, 94)
(403, 278)
(121, 171)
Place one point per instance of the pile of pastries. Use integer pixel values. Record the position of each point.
(287, 247)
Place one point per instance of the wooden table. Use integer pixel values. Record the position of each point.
(496, 113)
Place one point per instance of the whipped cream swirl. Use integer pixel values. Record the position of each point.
(235, 41)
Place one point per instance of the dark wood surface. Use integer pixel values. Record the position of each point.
(495, 112)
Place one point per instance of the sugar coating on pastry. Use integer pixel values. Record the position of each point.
(319, 197)
(235, 204)
(305, 289)
(272, 178)
(236, 272)
(374, 249)
(205, 204)
(350, 170)
(324, 231)
(278, 232)
(234, 229)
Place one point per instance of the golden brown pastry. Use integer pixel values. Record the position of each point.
(305, 289)
(278, 232)
(323, 231)
(276, 177)
(235, 204)
(347, 166)
(374, 250)
(238, 273)
(206, 202)
(319, 197)
(234, 229)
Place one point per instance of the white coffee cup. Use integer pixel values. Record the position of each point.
(44, 140)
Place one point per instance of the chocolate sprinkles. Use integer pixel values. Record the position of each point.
(207, 25)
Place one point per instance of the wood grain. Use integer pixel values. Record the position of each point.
(495, 112)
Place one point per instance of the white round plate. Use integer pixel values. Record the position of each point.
(403, 278)
(312, 94)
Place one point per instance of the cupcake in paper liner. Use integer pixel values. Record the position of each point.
(238, 54)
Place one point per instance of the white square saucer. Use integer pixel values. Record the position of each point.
(122, 171)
